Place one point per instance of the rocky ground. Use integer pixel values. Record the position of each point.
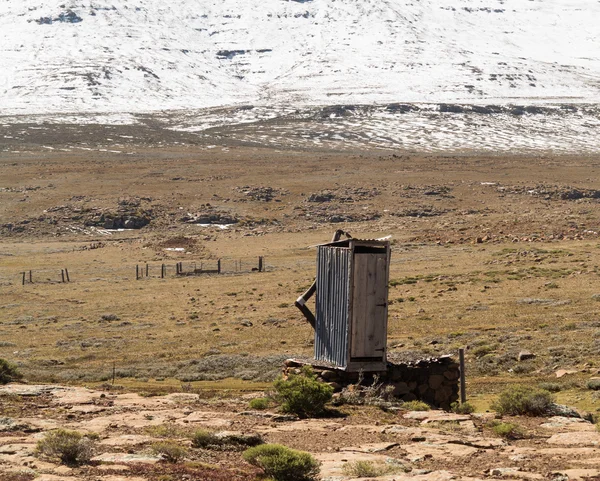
(496, 254)
(420, 445)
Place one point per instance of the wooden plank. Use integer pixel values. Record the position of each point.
(358, 320)
(369, 314)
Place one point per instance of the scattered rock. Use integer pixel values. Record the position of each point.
(524, 355)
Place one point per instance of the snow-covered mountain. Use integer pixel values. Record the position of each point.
(59, 56)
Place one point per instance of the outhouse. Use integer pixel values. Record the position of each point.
(351, 290)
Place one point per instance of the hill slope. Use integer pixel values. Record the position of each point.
(148, 55)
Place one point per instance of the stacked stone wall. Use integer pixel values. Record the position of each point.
(434, 381)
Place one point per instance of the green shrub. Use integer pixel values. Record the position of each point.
(170, 451)
(259, 403)
(593, 384)
(416, 406)
(482, 351)
(369, 469)
(166, 430)
(204, 439)
(209, 440)
(70, 447)
(507, 430)
(526, 400)
(550, 386)
(462, 408)
(282, 463)
(303, 394)
(8, 372)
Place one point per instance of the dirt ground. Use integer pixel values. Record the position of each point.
(494, 253)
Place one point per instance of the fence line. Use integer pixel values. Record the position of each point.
(148, 270)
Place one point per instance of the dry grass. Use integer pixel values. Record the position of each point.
(508, 296)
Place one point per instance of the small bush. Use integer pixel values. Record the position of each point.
(209, 440)
(550, 386)
(375, 394)
(525, 400)
(170, 451)
(462, 408)
(204, 439)
(369, 469)
(507, 430)
(302, 394)
(482, 351)
(282, 463)
(166, 431)
(8, 372)
(259, 403)
(70, 447)
(593, 384)
(416, 406)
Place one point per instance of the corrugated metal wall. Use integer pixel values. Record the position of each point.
(332, 304)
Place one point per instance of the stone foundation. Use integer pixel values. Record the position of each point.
(434, 381)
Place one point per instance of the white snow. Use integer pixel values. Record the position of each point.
(132, 56)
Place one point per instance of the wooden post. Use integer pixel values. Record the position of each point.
(23, 277)
(146, 270)
(463, 388)
(219, 266)
(114, 372)
(62, 274)
(30, 278)
(137, 272)
(67, 274)
(162, 271)
(260, 264)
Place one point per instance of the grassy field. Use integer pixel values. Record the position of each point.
(494, 254)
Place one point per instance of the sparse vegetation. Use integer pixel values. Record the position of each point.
(523, 400)
(416, 406)
(8, 372)
(462, 408)
(170, 451)
(593, 384)
(369, 469)
(205, 439)
(70, 447)
(282, 463)
(259, 403)
(506, 430)
(550, 386)
(302, 394)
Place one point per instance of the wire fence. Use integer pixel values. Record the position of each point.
(138, 271)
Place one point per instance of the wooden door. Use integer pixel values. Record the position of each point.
(369, 306)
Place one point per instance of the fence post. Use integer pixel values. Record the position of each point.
(463, 388)
(23, 277)
(162, 271)
(146, 270)
(62, 275)
(67, 273)
(260, 264)
(219, 266)
(137, 272)
(30, 278)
